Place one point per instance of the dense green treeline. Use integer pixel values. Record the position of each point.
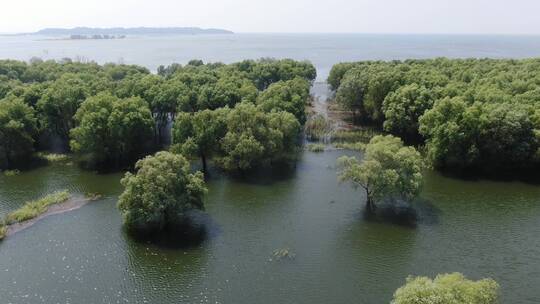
(111, 115)
(470, 113)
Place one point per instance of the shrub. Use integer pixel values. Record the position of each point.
(445, 289)
(315, 147)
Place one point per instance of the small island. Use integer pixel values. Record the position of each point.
(95, 37)
(92, 32)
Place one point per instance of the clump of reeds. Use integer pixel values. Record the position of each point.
(318, 127)
(358, 146)
(34, 208)
(315, 147)
(12, 172)
(354, 136)
(53, 157)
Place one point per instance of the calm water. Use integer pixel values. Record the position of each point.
(480, 228)
(323, 50)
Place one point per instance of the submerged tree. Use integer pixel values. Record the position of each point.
(388, 170)
(160, 193)
(60, 102)
(111, 130)
(404, 107)
(255, 137)
(17, 131)
(199, 134)
(291, 96)
(447, 289)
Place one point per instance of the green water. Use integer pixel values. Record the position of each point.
(480, 228)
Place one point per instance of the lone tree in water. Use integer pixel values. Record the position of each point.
(160, 193)
(388, 170)
(445, 289)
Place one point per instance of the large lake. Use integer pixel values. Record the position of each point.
(479, 227)
(323, 50)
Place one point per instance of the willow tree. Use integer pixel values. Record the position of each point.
(445, 289)
(199, 134)
(112, 131)
(388, 170)
(160, 193)
(17, 131)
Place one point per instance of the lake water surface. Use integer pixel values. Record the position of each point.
(478, 227)
(323, 50)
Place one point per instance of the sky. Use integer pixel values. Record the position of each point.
(295, 16)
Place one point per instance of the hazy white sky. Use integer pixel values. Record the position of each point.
(366, 16)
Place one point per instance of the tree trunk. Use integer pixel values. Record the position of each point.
(8, 161)
(203, 161)
(370, 205)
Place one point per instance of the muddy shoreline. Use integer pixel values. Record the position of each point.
(69, 205)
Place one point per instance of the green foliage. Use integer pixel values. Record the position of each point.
(337, 72)
(315, 147)
(60, 102)
(357, 146)
(105, 109)
(291, 96)
(160, 192)
(111, 130)
(18, 126)
(460, 135)
(388, 170)
(53, 157)
(473, 114)
(227, 91)
(266, 71)
(447, 289)
(353, 136)
(199, 134)
(12, 172)
(318, 127)
(255, 137)
(404, 107)
(35, 208)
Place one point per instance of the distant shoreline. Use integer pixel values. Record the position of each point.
(121, 31)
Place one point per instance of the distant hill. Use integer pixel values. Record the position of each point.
(129, 31)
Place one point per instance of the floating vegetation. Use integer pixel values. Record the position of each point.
(315, 147)
(33, 209)
(93, 196)
(12, 172)
(318, 127)
(53, 157)
(283, 253)
(358, 146)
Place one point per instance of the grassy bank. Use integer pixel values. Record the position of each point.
(35, 208)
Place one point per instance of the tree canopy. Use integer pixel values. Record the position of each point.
(160, 193)
(451, 288)
(254, 137)
(388, 170)
(472, 114)
(17, 130)
(199, 134)
(101, 111)
(112, 131)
